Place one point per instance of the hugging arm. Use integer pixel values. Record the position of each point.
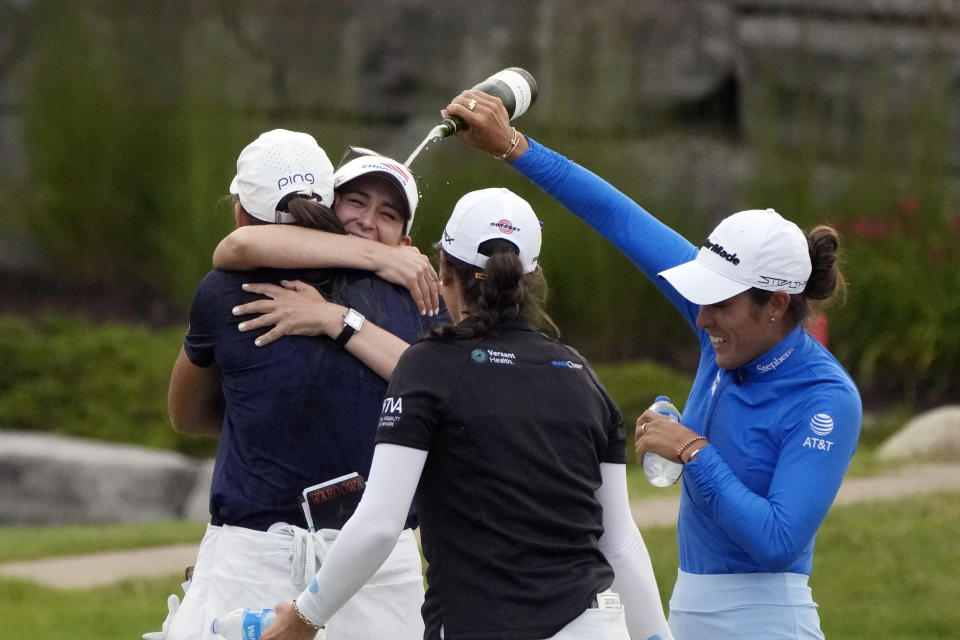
(296, 308)
(285, 246)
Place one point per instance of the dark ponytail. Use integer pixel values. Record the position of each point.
(825, 279)
(496, 294)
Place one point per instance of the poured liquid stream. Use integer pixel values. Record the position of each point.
(435, 134)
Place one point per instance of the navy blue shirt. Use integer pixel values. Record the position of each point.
(299, 410)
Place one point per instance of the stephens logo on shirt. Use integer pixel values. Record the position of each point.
(775, 362)
(390, 412)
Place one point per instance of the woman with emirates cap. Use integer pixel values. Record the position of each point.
(772, 419)
(515, 456)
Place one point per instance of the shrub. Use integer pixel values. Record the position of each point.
(106, 383)
(633, 386)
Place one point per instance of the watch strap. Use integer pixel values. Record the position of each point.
(345, 335)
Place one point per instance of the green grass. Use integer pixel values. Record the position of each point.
(882, 571)
(125, 610)
(889, 569)
(28, 543)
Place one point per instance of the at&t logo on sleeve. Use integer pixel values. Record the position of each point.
(821, 425)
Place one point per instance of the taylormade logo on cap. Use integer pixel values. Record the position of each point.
(755, 248)
(720, 251)
(492, 213)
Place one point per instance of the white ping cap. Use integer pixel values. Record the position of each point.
(276, 164)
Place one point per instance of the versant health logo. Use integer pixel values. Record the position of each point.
(478, 355)
(821, 424)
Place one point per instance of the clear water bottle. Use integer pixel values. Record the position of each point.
(242, 624)
(660, 471)
(515, 87)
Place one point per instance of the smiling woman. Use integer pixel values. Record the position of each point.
(756, 488)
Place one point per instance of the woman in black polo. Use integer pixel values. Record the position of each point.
(515, 455)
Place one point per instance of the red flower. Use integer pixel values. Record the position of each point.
(871, 229)
(937, 256)
(908, 207)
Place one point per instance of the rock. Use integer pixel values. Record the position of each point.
(48, 479)
(197, 506)
(934, 434)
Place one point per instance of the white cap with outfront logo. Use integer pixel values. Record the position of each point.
(398, 173)
(487, 214)
(756, 248)
(276, 164)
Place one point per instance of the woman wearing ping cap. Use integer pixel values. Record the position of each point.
(515, 455)
(292, 414)
(772, 419)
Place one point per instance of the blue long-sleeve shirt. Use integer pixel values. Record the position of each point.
(782, 428)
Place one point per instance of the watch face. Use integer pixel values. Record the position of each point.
(353, 319)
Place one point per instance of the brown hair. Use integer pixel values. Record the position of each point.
(496, 294)
(306, 212)
(826, 279)
(310, 213)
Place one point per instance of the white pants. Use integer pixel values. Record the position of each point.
(595, 624)
(239, 567)
(747, 606)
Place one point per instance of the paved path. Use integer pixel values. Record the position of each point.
(106, 568)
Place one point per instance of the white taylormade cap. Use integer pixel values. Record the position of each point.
(487, 214)
(279, 163)
(756, 248)
(394, 170)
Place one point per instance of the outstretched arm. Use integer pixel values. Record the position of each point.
(290, 247)
(649, 243)
(297, 308)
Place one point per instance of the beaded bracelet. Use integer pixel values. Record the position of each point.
(304, 619)
(514, 141)
(687, 444)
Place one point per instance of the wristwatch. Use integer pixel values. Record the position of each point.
(352, 321)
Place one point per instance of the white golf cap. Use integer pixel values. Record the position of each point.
(487, 214)
(394, 170)
(276, 164)
(755, 248)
